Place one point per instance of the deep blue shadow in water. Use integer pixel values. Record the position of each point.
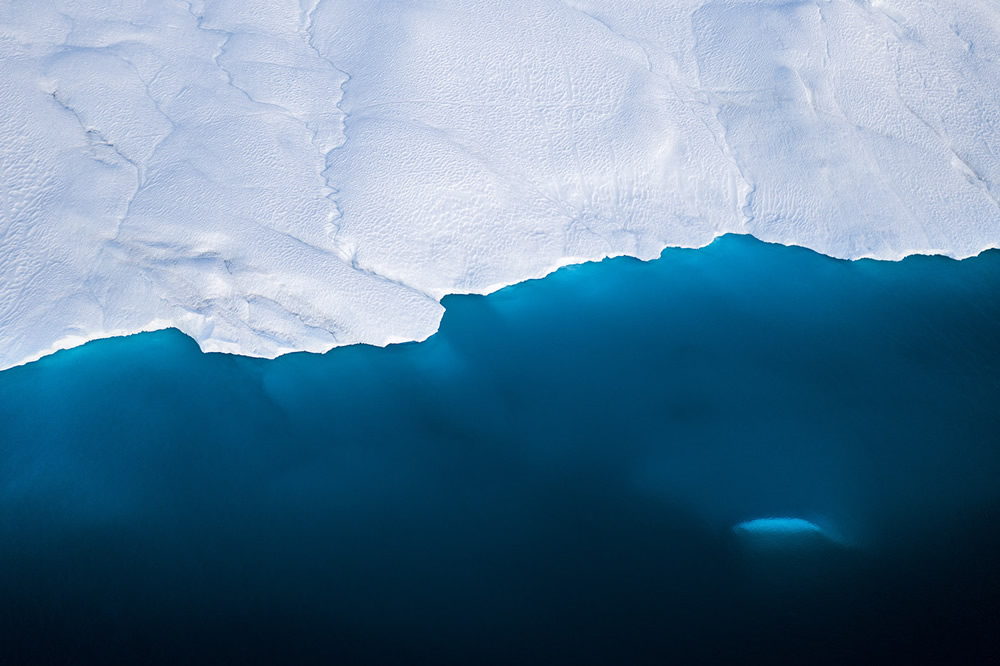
(553, 478)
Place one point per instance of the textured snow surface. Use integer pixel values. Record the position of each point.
(277, 175)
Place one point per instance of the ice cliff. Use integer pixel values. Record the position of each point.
(278, 175)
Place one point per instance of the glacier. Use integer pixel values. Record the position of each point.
(278, 175)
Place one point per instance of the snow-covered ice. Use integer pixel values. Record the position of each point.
(278, 175)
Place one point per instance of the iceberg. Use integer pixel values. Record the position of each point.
(271, 176)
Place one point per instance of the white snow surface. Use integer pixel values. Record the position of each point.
(279, 175)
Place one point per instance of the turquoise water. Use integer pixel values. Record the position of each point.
(554, 477)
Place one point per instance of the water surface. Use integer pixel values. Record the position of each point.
(553, 478)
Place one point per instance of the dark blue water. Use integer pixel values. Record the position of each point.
(553, 478)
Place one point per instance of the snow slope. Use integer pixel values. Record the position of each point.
(278, 175)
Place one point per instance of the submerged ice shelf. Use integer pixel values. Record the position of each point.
(279, 175)
(783, 532)
(777, 526)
